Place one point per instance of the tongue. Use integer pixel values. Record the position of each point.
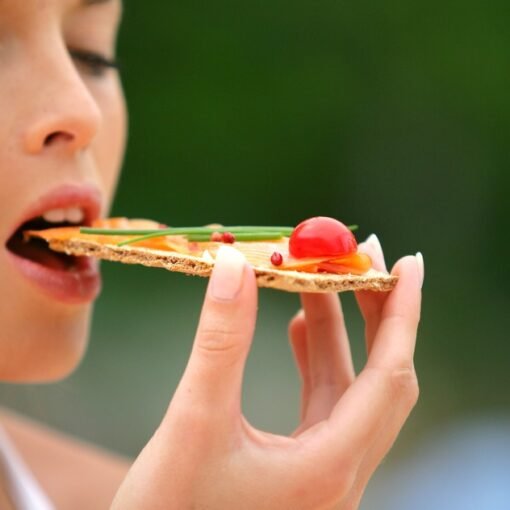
(38, 251)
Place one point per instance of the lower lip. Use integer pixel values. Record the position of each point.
(79, 286)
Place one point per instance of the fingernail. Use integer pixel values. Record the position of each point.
(373, 241)
(227, 276)
(421, 267)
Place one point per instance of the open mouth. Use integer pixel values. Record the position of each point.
(37, 250)
(68, 279)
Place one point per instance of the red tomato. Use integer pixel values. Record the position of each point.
(321, 237)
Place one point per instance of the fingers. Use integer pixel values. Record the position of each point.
(372, 247)
(386, 390)
(329, 353)
(395, 337)
(213, 378)
(371, 303)
(297, 335)
(322, 351)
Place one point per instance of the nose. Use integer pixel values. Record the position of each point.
(64, 115)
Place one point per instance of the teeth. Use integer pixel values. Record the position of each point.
(74, 215)
(71, 215)
(55, 215)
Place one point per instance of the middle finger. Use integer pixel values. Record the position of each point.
(330, 367)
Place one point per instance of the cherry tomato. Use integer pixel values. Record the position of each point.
(321, 237)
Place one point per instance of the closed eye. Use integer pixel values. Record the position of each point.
(95, 63)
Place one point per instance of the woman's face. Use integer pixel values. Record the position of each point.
(62, 133)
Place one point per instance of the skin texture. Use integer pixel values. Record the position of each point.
(62, 124)
(348, 422)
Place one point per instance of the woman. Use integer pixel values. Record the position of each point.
(62, 140)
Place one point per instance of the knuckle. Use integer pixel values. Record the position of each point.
(219, 340)
(320, 321)
(405, 387)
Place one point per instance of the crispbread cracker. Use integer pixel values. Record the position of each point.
(291, 281)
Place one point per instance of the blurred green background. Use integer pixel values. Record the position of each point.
(394, 115)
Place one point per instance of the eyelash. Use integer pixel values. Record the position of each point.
(96, 64)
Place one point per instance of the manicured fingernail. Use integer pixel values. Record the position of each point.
(227, 276)
(421, 267)
(373, 241)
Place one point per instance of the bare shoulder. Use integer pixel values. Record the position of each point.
(73, 473)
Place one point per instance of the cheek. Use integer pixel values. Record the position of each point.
(109, 144)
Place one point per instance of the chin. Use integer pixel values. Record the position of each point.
(42, 341)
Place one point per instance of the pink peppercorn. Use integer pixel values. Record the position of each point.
(276, 259)
(228, 237)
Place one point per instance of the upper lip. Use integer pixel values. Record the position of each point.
(86, 197)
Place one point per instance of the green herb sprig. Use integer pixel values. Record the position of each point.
(198, 234)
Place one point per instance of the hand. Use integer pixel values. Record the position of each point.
(206, 456)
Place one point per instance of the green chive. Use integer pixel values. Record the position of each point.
(241, 236)
(198, 234)
(205, 237)
(182, 230)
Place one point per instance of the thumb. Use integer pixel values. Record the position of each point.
(213, 378)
